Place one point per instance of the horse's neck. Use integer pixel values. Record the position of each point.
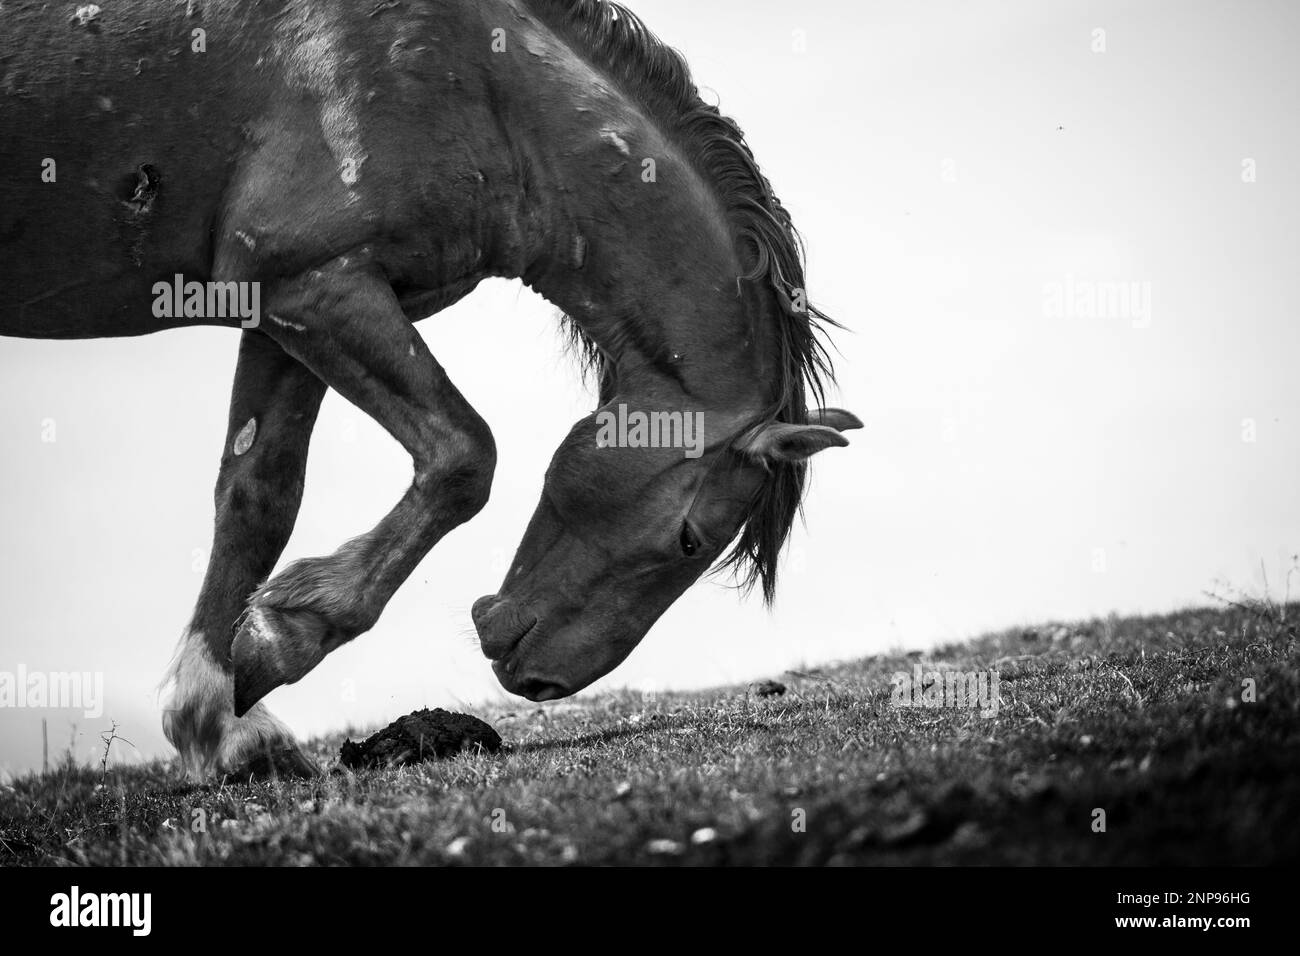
(633, 243)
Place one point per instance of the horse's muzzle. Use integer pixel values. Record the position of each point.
(501, 625)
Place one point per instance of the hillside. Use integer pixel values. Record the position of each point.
(1146, 719)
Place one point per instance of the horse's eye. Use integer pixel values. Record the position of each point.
(690, 544)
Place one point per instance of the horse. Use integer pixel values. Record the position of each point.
(359, 167)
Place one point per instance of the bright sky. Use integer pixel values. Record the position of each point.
(966, 175)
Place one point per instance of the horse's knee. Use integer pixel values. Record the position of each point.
(459, 472)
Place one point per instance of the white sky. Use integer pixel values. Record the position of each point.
(917, 147)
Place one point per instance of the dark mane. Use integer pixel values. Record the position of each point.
(620, 45)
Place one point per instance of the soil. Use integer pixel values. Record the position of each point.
(419, 736)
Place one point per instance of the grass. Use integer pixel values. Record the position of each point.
(1142, 718)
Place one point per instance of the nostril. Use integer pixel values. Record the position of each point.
(501, 625)
(480, 610)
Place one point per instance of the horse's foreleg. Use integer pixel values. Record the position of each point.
(345, 324)
(273, 408)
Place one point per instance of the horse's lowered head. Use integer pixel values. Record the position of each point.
(683, 279)
(701, 440)
(621, 532)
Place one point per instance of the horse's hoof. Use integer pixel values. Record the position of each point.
(284, 763)
(274, 647)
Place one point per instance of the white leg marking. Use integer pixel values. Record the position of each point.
(198, 701)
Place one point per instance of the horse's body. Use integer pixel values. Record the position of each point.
(247, 160)
(367, 165)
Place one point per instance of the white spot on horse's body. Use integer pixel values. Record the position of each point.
(617, 141)
(247, 434)
(285, 323)
(309, 44)
(249, 242)
(86, 14)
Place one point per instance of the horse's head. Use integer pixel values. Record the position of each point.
(623, 529)
(683, 278)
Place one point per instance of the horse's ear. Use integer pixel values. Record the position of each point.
(781, 441)
(836, 418)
